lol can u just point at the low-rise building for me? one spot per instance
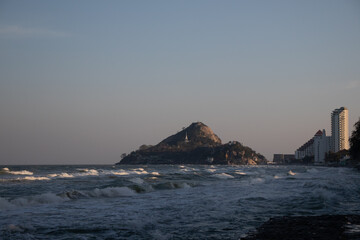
(283, 158)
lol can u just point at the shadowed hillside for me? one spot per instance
(196, 144)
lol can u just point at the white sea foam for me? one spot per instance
(211, 170)
(65, 175)
(240, 173)
(187, 169)
(137, 180)
(223, 176)
(30, 178)
(88, 172)
(120, 172)
(141, 172)
(61, 175)
(22, 172)
(257, 180)
(138, 171)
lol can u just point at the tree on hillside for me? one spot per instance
(355, 142)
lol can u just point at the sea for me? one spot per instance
(166, 201)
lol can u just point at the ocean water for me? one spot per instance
(165, 202)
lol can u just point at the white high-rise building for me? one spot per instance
(321, 146)
(340, 129)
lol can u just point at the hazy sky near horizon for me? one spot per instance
(82, 82)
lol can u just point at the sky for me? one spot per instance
(82, 82)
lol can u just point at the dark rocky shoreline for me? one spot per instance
(326, 227)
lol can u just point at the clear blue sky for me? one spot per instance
(85, 81)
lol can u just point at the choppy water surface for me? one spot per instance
(165, 202)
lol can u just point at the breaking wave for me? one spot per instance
(45, 198)
(30, 178)
(88, 172)
(121, 173)
(51, 198)
(80, 172)
(22, 179)
(291, 173)
(240, 173)
(171, 185)
(22, 172)
(109, 192)
(223, 176)
(137, 180)
(61, 175)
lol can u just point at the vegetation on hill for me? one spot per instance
(196, 144)
(355, 142)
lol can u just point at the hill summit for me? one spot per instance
(196, 144)
(197, 134)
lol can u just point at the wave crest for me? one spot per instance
(223, 176)
(52, 198)
(22, 172)
(61, 175)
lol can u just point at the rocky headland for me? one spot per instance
(325, 227)
(196, 144)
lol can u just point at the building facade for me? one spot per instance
(318, 146)
(321, 146)
(283, 158)
(306, 150)
(340, 129)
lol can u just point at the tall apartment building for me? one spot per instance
(320, 144)
(340, 129)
